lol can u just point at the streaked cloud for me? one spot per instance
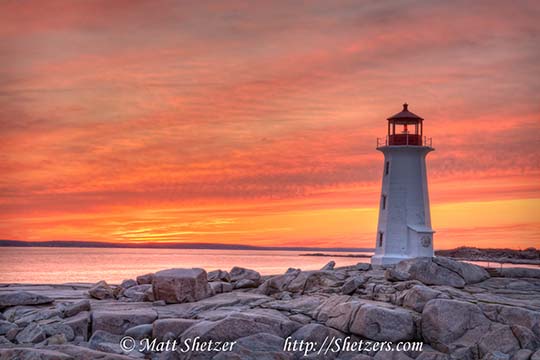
(109, 111)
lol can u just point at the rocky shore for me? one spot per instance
(458, 310)
(529, 256)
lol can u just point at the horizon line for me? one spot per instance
(168, 245)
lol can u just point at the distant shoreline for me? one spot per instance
(529, 256)
(334, 255)
(201, 246)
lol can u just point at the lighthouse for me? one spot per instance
(404, 227)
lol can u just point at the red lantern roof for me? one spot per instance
(405, 115)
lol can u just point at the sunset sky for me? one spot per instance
(255, 123)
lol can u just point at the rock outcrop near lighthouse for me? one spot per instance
(458, 310)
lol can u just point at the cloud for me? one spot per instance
(157, 104)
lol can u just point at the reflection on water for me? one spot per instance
(60, 265)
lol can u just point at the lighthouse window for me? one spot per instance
(387, 168)
(383, 202)
(380, 238)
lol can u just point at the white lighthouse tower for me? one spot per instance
(404, 229)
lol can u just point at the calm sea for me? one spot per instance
(61, 265)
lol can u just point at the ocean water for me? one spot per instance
(55, 265)
(50, 265)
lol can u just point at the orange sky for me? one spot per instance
(256, 122)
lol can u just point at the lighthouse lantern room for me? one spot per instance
(404, 227)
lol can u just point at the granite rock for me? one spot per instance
(180, 285)
(16, 298)
(118, 321)
(101, 291)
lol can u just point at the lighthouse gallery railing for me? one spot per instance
(404, 140)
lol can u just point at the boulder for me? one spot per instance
(383, 324)
(512, 315)
(118, 321)
(58, 328)
(126, 284)
(329, 266)
(104, 341)
(180, 285)
(416, 297)
(236, 300)
(16, 298)
(38, 314)
(72, 309)
(145, 279)
(315, 333)
(340, 317)
(523, 354)
(496, 355)
(117, 291)
(428, 272)
(432, 355)
(219, 287)
(445, 321)
(138, 293)
(381, 292)
(33, 333)
(337, 312)
(12, 333)
(499, 339)
(239, 273)
(470, 273)
(57, 339)
(526, 338)
(300, 318)
(165, 329)
(392, 355)
(84, 353)
(149, 294)
(219, 275)
(393, 274)
(245, 284)
(259, 346)
(238, 325)
(279, 283)
(352, 284)
(101, 290)
(315, 281)
(353, 356)
(31, 354)
(79, 324)
(286, 295)
(140, 331)
(5, 326)
(302, 304)
(363, 266)
(439, 271)
(16, 313)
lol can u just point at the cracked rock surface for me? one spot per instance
(458, 310)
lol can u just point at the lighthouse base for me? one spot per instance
(382, 260)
